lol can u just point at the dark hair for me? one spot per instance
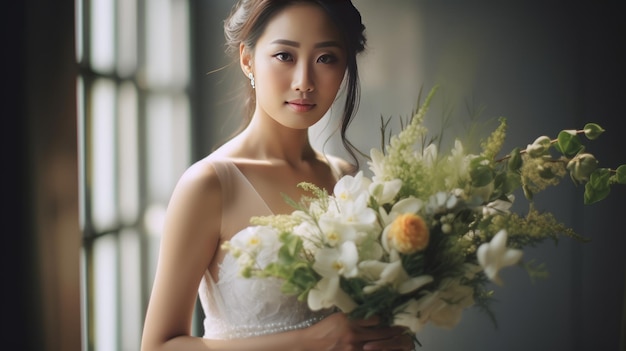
(249, 18)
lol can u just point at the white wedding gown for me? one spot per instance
(237, 307)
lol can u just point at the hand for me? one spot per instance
(337, 332)
(401, 340)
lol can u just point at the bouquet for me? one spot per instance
(424, 238)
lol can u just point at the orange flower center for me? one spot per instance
(408, 233)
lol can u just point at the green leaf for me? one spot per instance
(304, 278)
(598, 187)
(515, 162)
(620, 174)
(568, 143)
(481, 172)
(593, 131)
(512, 183)
(292, 246)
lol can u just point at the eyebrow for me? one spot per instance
(323, 44)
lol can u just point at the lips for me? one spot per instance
(301, 105)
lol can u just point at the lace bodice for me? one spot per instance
(237, 307)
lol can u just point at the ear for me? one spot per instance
(245, 59)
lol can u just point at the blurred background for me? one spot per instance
(106, 102)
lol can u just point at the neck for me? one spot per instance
(270, 141)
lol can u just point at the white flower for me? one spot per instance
(376, 163)
(254, 245)
(498, 206)
(342, 260)
(349, 188)
(443, 307)
(354, 213)
(391, 274)
(408, 316)
(385, 191)
(457, 166)
(453, 298)
(327, 293)
(312, 239)
(430, 155)
(406, 205)
(336, 232)
(495, 255)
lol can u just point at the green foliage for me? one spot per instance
(598, 186)
(592, 131)
(568, 143)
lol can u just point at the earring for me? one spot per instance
(251, 77)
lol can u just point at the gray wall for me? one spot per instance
(543, 66)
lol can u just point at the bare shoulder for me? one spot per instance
(195, 205)
(200, 179)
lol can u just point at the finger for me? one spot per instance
(373, 321)
(397, 343)
(377, 332)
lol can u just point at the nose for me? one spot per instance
(303, 78)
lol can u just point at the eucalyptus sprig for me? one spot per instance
(583, 167)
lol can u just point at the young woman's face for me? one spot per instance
(299, 63)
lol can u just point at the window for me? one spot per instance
(134, 131)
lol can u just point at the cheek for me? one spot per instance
(333, 81)
(270, 76)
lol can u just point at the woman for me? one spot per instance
(296, 54)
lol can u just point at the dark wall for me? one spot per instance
(41, 237)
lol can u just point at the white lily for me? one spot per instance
(494, 256)
(498, 206)
(376, 163)
(335, 231)
(415, 314)
(391, 274)
(453, 298)
(355, 213)
(342, 260)
(406, 205)
(348, 188)
(429, 155)
(327, 293)
(385, 191)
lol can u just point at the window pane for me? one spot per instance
(127, 37)
(130, 284)
(102, 158)
(128, 154)
(82, 156)
(105, 288)
(180, 42)
(168, 145)
(78, 18)
(167, 43)
(102, 35)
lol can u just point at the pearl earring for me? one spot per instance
(251, 77)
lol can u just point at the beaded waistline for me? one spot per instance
(216, 329)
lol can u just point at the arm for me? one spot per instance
(190, 239)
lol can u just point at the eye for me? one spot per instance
(284, 56)
(327, 58)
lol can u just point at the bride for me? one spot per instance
(296, 55)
